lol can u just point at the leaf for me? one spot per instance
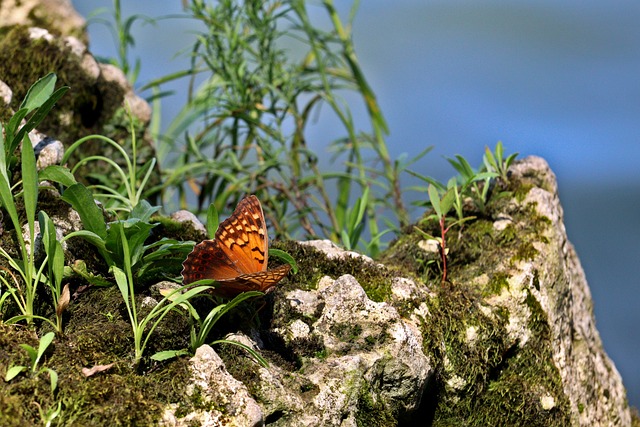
(92, 238)
(8, 203)
(39, 92)
(212, 221)
(446, 203)
(285, 257)
(136, 233)
(249, 350)
(121, 281)
(80, 267)
(45, 341)
(434, 198)
(53, 379)
(143, 211)
(58, 174)
(81, 199)
(29, 183)
(63, 301)
(38, 116)
(88, 372)
(33, 353)
(13, 371)
(169, 354)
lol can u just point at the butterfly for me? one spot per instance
(237, 257)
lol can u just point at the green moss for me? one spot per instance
(502, 383)
(313, 265)
(372, 411)
(526, 252)
(521, 192)
(497, 282)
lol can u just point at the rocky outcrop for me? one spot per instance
(511, 340)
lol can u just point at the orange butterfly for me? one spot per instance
(237, 257)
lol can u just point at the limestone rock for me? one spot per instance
(228, 398)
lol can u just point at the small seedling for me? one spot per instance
(35, 355)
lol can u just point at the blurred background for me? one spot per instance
(559, 80)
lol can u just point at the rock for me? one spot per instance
(58, 15)
(331, 250)
(365, 360)
(229, 399)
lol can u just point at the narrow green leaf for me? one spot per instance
(169, 354)
(29, 182)
(32, 352)
(45, 341)
(6, 197)
(12, 129)
(212, 221)
(285, 257)
(434, 198)
(346, 242)
(249, 350)
(123, 284)
(446, 203)
(53, 379)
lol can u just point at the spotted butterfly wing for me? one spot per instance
(237, 257)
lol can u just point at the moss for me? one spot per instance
(120, 395)
(497, 282)
(526, 252)
(499, 383)
(372, 411)
(521, 192)
(313, 265)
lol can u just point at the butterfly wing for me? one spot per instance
(208, 261)
(243, 237)
(261, 281)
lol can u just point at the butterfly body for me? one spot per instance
(237, 257)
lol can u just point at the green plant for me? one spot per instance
(35, 355)
(469, 182)
(121, 30)
(148, 261)
(200, 328)
(125, 282)
(442, 202)
(126, 195)
(55, 262)
(39, 100)
(494, 161)
(452, 196)
(245, 127)
(46, 415)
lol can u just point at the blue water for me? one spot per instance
(556, 79)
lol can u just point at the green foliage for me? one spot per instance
(201, 328)
(121, 29)
(144, 327)
(494, 161)
(35, 355)
(55, 264)
(129, 192)
(469, 184)
(39, 100)
(146, 260)
(255, 103)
